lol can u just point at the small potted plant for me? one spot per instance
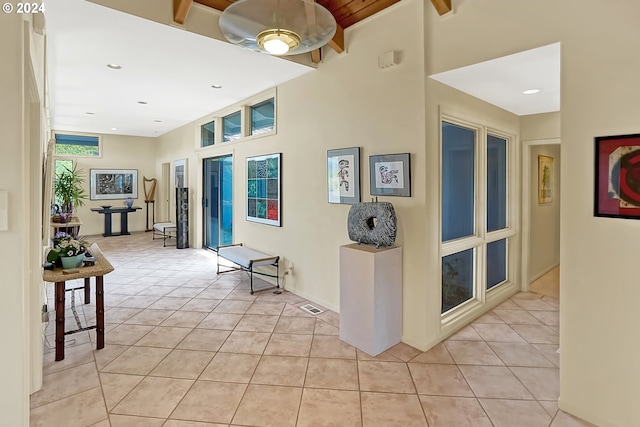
(69, 192)
(67, 252)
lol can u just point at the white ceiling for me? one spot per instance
(173, 70)
(169, 68)
(501, 81)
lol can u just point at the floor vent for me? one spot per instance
(311, 309)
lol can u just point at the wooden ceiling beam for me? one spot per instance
(216, 4)
(442, 6)
(180, 10)
(337, 42)
(316, 56)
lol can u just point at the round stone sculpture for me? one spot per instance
(373, 223)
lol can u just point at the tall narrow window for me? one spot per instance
(77, 145)
(262, 117)
(476, 227)
(208, 134)
(232, 127)
(458, 181)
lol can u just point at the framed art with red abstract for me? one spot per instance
(617, 176)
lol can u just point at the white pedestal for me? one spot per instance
(370, 297)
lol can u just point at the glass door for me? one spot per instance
(218, 201)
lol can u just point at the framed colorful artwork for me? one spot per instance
(263, 189)
(617, 176)
(545, 179)
(390, 175)
(343, 175)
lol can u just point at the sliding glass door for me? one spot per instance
(218, 201)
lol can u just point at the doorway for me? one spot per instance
(540, 213)
(217, 201)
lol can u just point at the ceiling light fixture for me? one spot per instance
(114, 66)
(114, 128)
(278, 27)
(216, 86)
(531, 91)
(89, 113)
(143, 102)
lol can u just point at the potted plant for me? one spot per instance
(67, 252)
(69, 191)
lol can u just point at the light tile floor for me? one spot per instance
(188, 348)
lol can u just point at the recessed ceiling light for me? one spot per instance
(531, 91)
(114, 66)
(143, 102)
(114, 128)
(158, 121)
(216, 86)
(90, 113)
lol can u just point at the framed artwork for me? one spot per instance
(617, 176)
(180, 173)
(263, 189)
(390, 175)
(545, 179)
(112, 184)
(343, 175)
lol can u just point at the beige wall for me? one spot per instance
(347, 102)
(21, 131)
(118, 152)
(598, 373)
(540, 126)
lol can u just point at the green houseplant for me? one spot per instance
(69, 191)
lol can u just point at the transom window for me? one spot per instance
(77, 145)
(232, 127)
(262, 117)
(208, 134)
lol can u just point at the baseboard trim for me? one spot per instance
(539, 275)
(585, 415)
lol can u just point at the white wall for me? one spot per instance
(118, 152)
(599, 372)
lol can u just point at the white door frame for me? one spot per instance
(526, 205)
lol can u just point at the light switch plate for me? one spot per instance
(4, 210)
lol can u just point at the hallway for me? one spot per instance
(188, 348)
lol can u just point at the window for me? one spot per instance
(207, 134)
(262, 117)
(232, 127)
(476, 228)
(77, 145)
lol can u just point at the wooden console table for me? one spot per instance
(124, 219)
(102, 266)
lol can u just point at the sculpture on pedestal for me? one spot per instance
(373, 223)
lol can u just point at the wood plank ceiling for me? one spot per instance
(346, 12)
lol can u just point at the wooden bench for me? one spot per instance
(164, 230)
(247, 259)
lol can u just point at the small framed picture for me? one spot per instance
(390, 175)
(180, 173)
(343, 175)
(545, 179)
